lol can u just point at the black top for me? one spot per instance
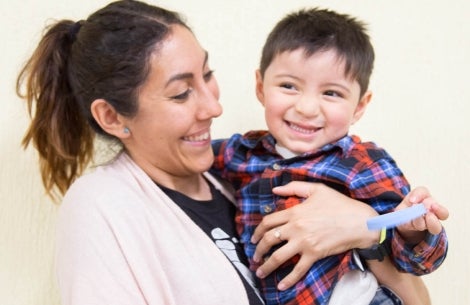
(216, 217)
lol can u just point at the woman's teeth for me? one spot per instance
(198, 138)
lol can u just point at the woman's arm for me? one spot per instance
(326, 223)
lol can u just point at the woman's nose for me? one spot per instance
(209, 106)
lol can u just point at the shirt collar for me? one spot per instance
(263, 139)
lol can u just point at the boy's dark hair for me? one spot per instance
(317, 30)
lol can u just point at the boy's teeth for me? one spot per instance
(300, 129)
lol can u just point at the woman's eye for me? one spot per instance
(183, 96)
(208, 76)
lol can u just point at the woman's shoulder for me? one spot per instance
(102, 190)
(96, 181)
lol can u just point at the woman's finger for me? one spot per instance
(270, 239)
(300, 189)
(270, 222)
(300, 269)
(277, 258)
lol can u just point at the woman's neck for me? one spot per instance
(195, 187)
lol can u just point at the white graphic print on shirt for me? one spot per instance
(227, 246)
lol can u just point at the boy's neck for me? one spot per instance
(284, 152)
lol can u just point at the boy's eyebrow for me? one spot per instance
(345, 87)
(182, 76)
(286, 75)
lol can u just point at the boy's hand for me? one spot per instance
(414, 231)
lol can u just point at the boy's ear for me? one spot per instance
(108, 118)
(259, 87)
(361, 106)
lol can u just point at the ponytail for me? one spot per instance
(104, 57)
(58, 130)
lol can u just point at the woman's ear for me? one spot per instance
(259, 87)
(361, 106)
(108, 119)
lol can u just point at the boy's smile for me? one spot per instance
(309, 101)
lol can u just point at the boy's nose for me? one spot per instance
(308, 105)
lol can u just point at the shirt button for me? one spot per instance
(268, 209)
(418, 253)
(276, 166)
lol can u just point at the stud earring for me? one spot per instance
(126, 130)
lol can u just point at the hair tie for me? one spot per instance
(73, 31)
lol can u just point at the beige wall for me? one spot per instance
(420, 112)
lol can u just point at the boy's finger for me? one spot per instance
(417, 195)
(434, 225)
(419, 224)
(440, 211)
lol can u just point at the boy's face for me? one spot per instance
(309, 101)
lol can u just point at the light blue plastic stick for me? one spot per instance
(393, 219)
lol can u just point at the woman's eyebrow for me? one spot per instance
(182, 76)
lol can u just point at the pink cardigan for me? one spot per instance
(121, 240)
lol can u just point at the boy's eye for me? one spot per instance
(333, 93)
(287, 86)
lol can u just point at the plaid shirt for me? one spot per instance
(360, 170)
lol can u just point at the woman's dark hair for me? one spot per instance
(104, 57)
(317, 30)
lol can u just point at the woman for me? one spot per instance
(135, 230)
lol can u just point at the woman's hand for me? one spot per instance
(326, 223)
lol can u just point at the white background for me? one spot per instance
(419, 112)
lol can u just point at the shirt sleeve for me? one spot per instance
(382, 185)
(229, 161)
(422, 258)
(219, 146)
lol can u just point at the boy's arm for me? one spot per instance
(423, 241)
(421, 258)
(385, 192)
(218, 147)
(227, 158)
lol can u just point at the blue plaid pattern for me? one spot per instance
(362, 171)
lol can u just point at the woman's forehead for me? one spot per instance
(178, 58)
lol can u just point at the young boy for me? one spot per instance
(313, 82)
